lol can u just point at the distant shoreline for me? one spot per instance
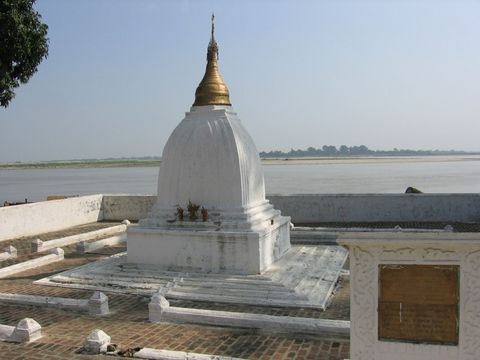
(122, 163)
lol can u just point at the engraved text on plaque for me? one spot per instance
(418, 303)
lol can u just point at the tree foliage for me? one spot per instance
(23, 45)
(343, 150)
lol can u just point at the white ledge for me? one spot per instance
(85, 247)
(160, 310)
(153, 354)
(57, 255)
(96, 305)
(39, 246)
(9, 253)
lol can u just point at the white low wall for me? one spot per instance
(39, 246)
(131, 207)
(159, 309)
(335, 207)
(96, 305)
(56, 255)
(45, 216)
(379, 207)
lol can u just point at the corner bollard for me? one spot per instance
(26, 330)
(98, 304)
(58, 251)
(97, 342)
(157, 306)
(82, 247)
(12, 251)
(36, 245)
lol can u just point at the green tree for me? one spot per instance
(23, 45)
(343, 150)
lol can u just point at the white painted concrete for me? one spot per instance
(239, 252)
(9, 253)
(96, 342)
(44, 301)
(303, 278)
(27, 330)
(41, 217)
(96, 305)
(85, 247)
(160, 310)
(154, 354)
(39, 246)
(46, 216)
(313, 208)
(57, 255)
(116, 207)
(368, 250)
(6, 332)
(211, 161)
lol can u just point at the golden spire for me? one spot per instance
(212, 90)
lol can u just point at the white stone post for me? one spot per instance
(96, 342)
(157, 306)
(12, 251)
(26, 330)
(36, 245)
(98, 304)
(58, 251)
(82, 247)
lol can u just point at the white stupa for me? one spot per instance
(211, 214)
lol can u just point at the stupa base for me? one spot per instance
(207, 250)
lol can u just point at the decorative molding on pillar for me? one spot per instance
(364, 300)
(471, 307)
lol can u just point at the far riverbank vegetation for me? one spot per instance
(362, 150)
(326, 151)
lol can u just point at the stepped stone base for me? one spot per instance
(208, 250)
(304, 277)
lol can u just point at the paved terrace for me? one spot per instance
(127, 324)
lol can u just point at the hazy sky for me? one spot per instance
(121, 74)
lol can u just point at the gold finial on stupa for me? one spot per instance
(212, 90)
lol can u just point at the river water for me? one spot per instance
(455, 174)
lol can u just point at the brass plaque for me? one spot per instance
(418, 303)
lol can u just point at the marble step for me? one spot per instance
(252, 292)
(173, 294)
(111, 283)
(304, 277)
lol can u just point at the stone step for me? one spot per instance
(304, 277)
(111, 282)
(173, 294)
(206, 283)
(252, 292)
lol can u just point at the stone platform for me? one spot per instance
(304, 278)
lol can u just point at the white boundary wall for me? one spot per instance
(131, 207)
(379, 207)
(46, 216)
(334, 207)
(41, 217)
